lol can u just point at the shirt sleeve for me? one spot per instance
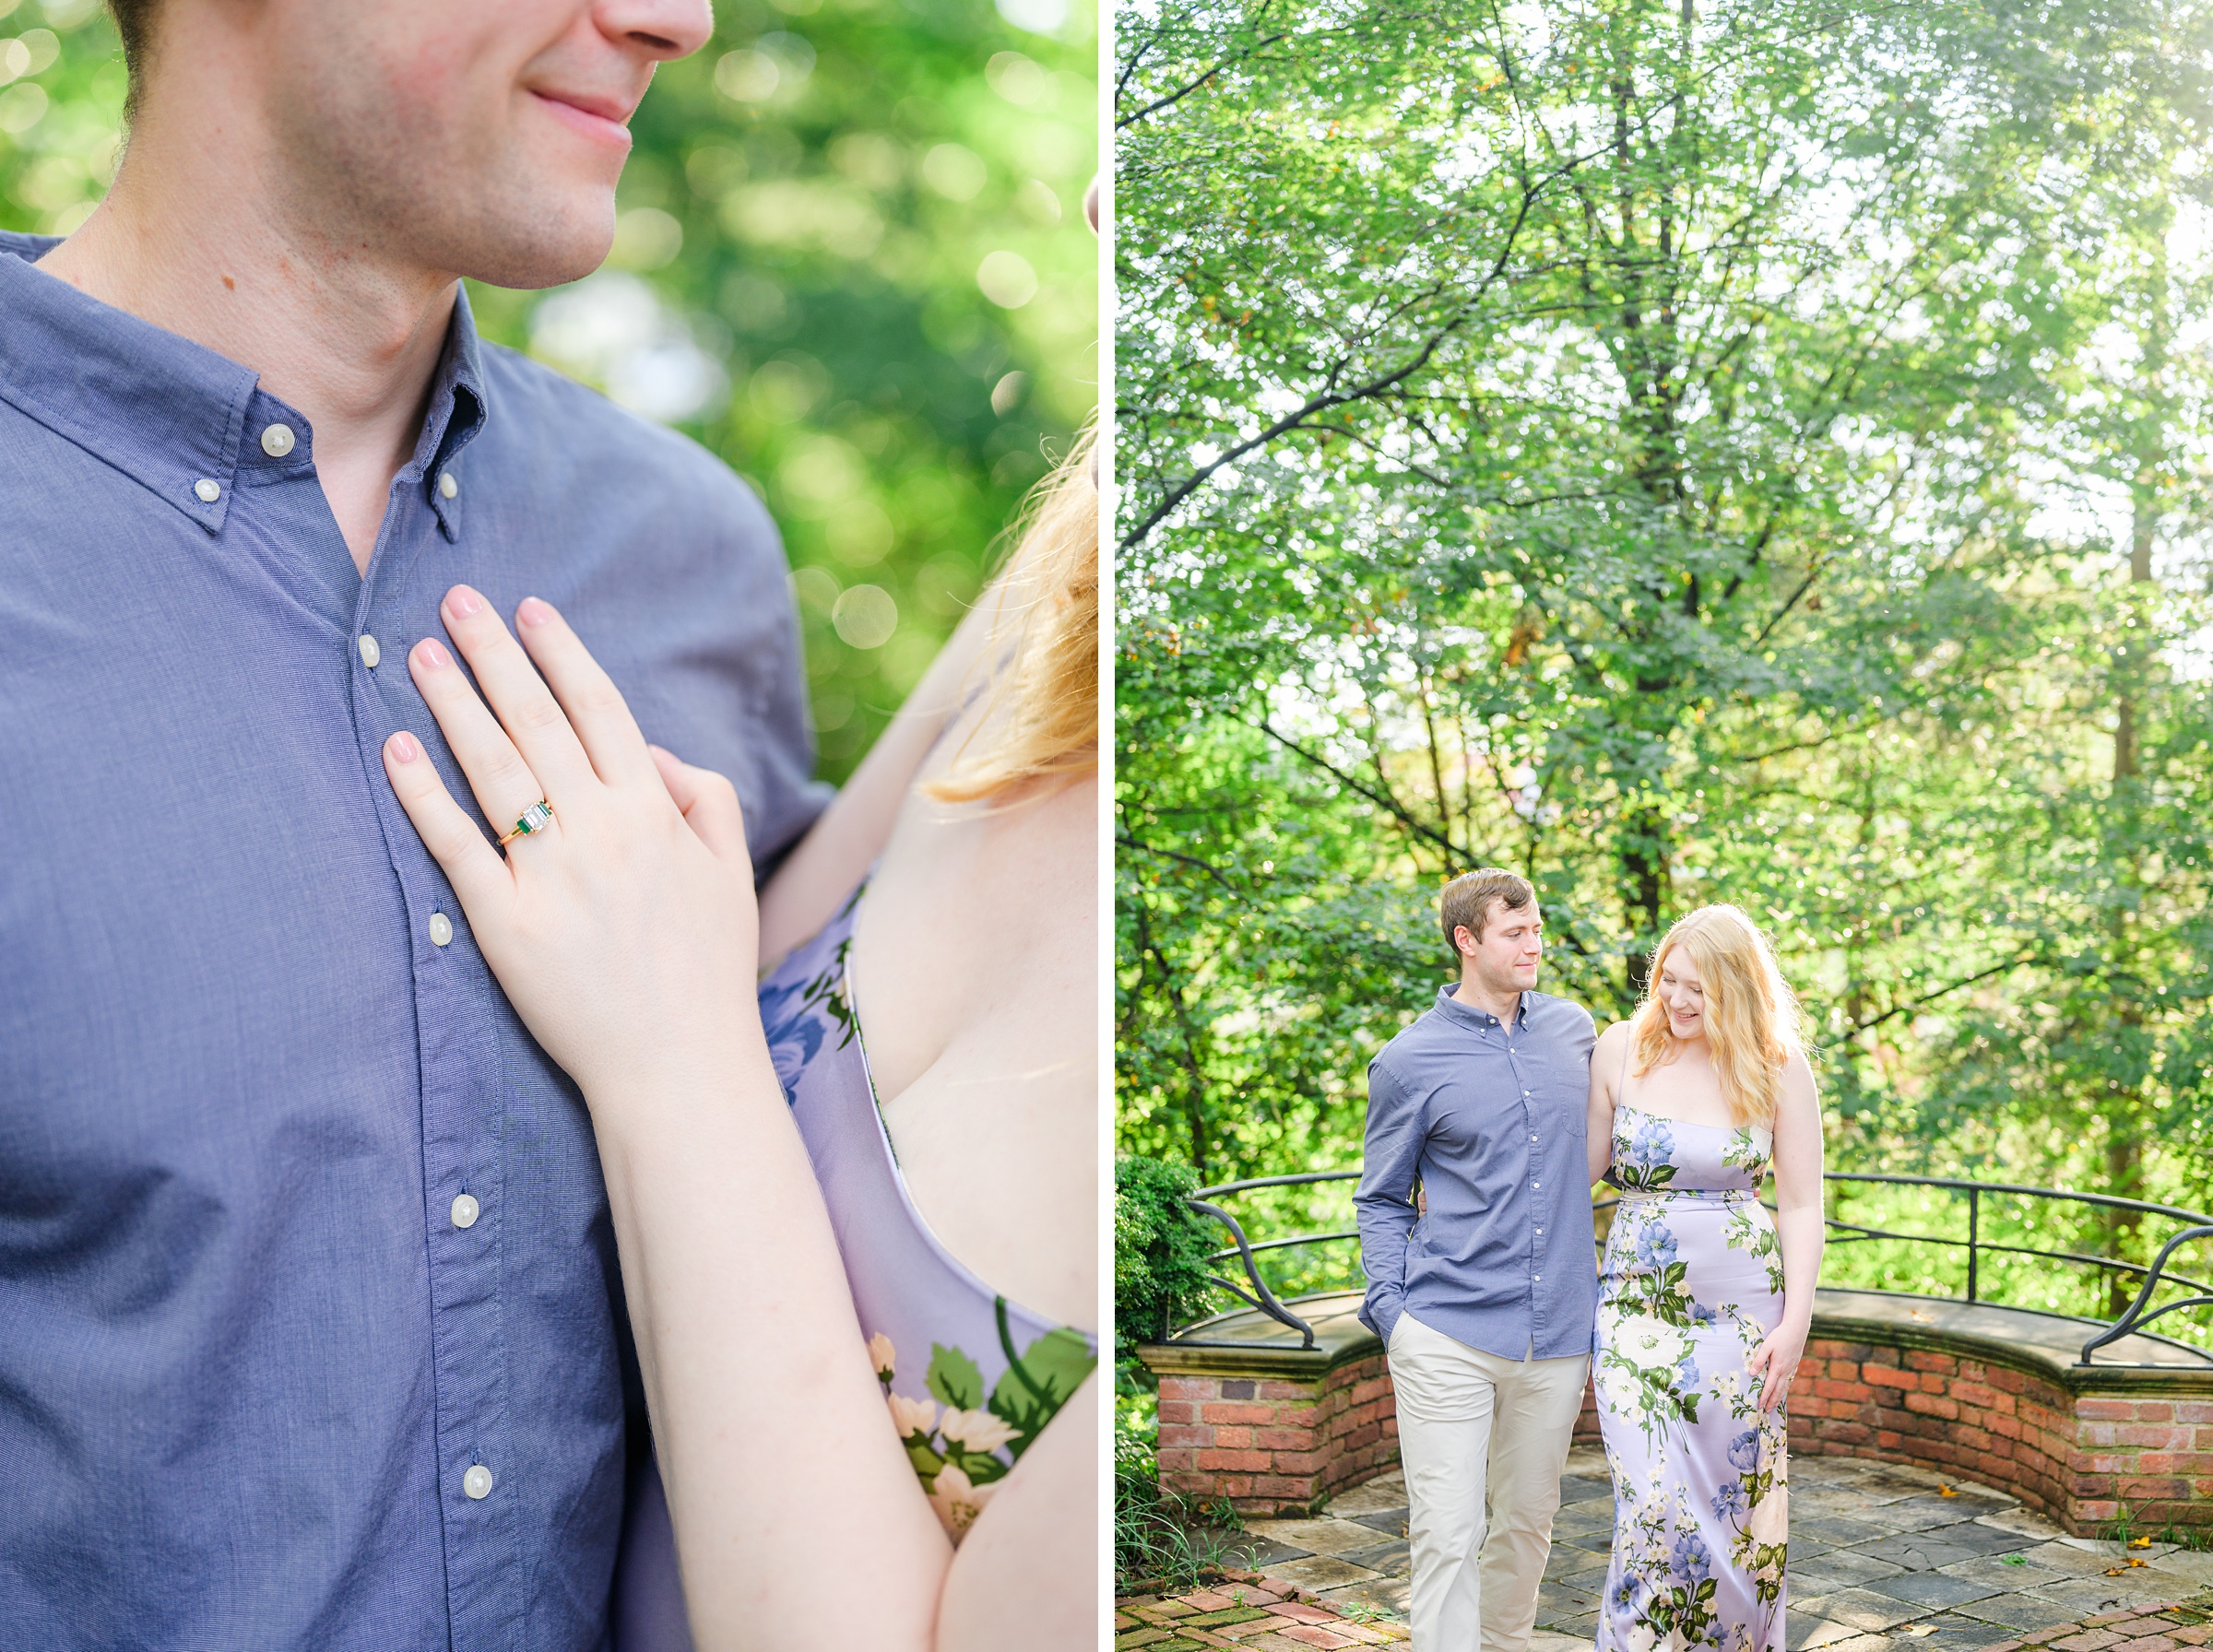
(1384, 1203)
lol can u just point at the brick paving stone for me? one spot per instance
(2088, 1640)
(1206, 1601)
(1314, 1635)
(1302, 1613)
(1220, 1617)
(1130, 1638)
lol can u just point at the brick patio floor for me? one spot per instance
(1255, 1613)
(1882, 1557)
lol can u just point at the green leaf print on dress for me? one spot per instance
(956, 1452)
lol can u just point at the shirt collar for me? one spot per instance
(171, 414)
(457, 410)
(1467, 1015)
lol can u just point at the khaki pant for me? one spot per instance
(1472, 1423)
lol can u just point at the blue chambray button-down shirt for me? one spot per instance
(247, 1356)
(1490, 1119)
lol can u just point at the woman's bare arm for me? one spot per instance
(1798, 1227)
(1598, 1128)
(837, 851)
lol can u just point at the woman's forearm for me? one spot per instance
(780, 1461)
(1798, 1229)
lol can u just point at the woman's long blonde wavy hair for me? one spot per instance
(1753, 1024)
(1045, 645)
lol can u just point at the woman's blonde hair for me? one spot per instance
(1752, 1023)
(1044, 647)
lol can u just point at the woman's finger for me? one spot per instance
(709, 803)
(472, 865)
(596, 707)
(504, 784)
(518, 696)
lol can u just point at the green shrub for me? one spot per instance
(1160, 1251)
(1160, 1537)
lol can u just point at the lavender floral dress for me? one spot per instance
(1690, 1283)
(970, 1379)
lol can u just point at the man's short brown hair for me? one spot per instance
(1465, 901)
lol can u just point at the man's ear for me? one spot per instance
(1463, 943)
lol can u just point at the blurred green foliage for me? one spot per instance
(851, 260)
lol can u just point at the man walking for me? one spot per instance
(310, 1321)
(1485, 1302)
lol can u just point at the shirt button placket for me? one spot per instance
(461, 1131)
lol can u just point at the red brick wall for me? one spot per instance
(1277, 1447)
(2076, 1457)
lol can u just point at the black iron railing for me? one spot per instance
(2133, 1318)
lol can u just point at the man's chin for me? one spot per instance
(566, 242)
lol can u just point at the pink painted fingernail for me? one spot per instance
(433, 653)
(405, 748)
(533, 612)
(463, 602)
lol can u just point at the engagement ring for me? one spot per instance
(537, 818)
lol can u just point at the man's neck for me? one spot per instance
(1473, 993)
(194, 239)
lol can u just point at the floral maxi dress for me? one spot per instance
(1690, 1283)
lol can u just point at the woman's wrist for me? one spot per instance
(679, 1075)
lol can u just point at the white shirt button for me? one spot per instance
(477, 1482)
(371, 652)
(447, 485)
(276, 441)
(441, 931)
(465, 1209)
(208, 491)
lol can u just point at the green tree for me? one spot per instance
(1682, 453)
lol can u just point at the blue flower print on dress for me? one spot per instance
(795, 1035)
(1744, 1451)
(1729, 1501)
(1643, 1153)
(1693, 1561)
(1655, 1246)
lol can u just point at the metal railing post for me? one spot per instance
(2135, 1317)
(1974, 1226)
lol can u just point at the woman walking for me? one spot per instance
(1704, 1302)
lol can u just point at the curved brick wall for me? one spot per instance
(1269, 1444)
(1989, 1394)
